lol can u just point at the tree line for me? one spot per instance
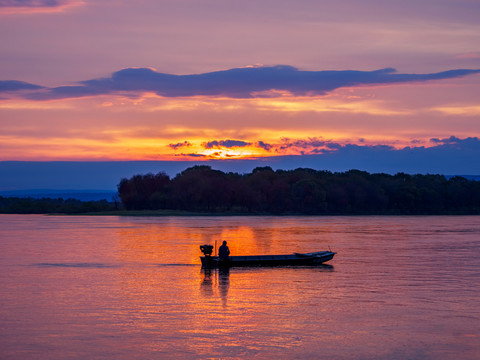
(19, 205)
(300, 191)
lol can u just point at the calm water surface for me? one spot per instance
(132, 288)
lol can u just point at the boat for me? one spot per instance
(295, 259)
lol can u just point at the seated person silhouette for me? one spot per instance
(223, 251)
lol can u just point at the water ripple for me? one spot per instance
(76, 265)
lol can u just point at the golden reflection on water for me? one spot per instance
(242, 306)
(168, 242)
(252, 310)
(86, 287)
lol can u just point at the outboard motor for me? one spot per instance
(206, 249)
(207, 260)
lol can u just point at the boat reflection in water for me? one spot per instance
(216, 279)
(220, 276)
(217, 270)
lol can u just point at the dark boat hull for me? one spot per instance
(308, 259)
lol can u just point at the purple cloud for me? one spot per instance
(236, 83)
(192, 155)
(14, 85)
(180, 145)
(453, 142)
(264, 146)
(225, 143)
(30, 3)
(451, 156)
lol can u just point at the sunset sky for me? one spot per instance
(178, 80)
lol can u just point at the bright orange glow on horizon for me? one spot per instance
(151, 127)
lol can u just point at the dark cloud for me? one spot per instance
(237, 83)
(451, 156)
(453, 142)
(334, 146)
(302, 144)
(264, 146)
(193, 155)
(13, 85)
(180, 145)
(225, 143)
(30, 3)
(448, 156)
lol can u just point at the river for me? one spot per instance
(106, 287)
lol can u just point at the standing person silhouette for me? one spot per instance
(223, 251)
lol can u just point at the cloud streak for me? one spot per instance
(35, 6)
(249, 82)
(29, 3)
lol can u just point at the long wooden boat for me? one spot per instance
(295, 259)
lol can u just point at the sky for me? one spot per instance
(376, 85)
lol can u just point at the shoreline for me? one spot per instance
(162, 213)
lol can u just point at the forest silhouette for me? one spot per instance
(47, 205)
(301, 191)
(202, 190)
